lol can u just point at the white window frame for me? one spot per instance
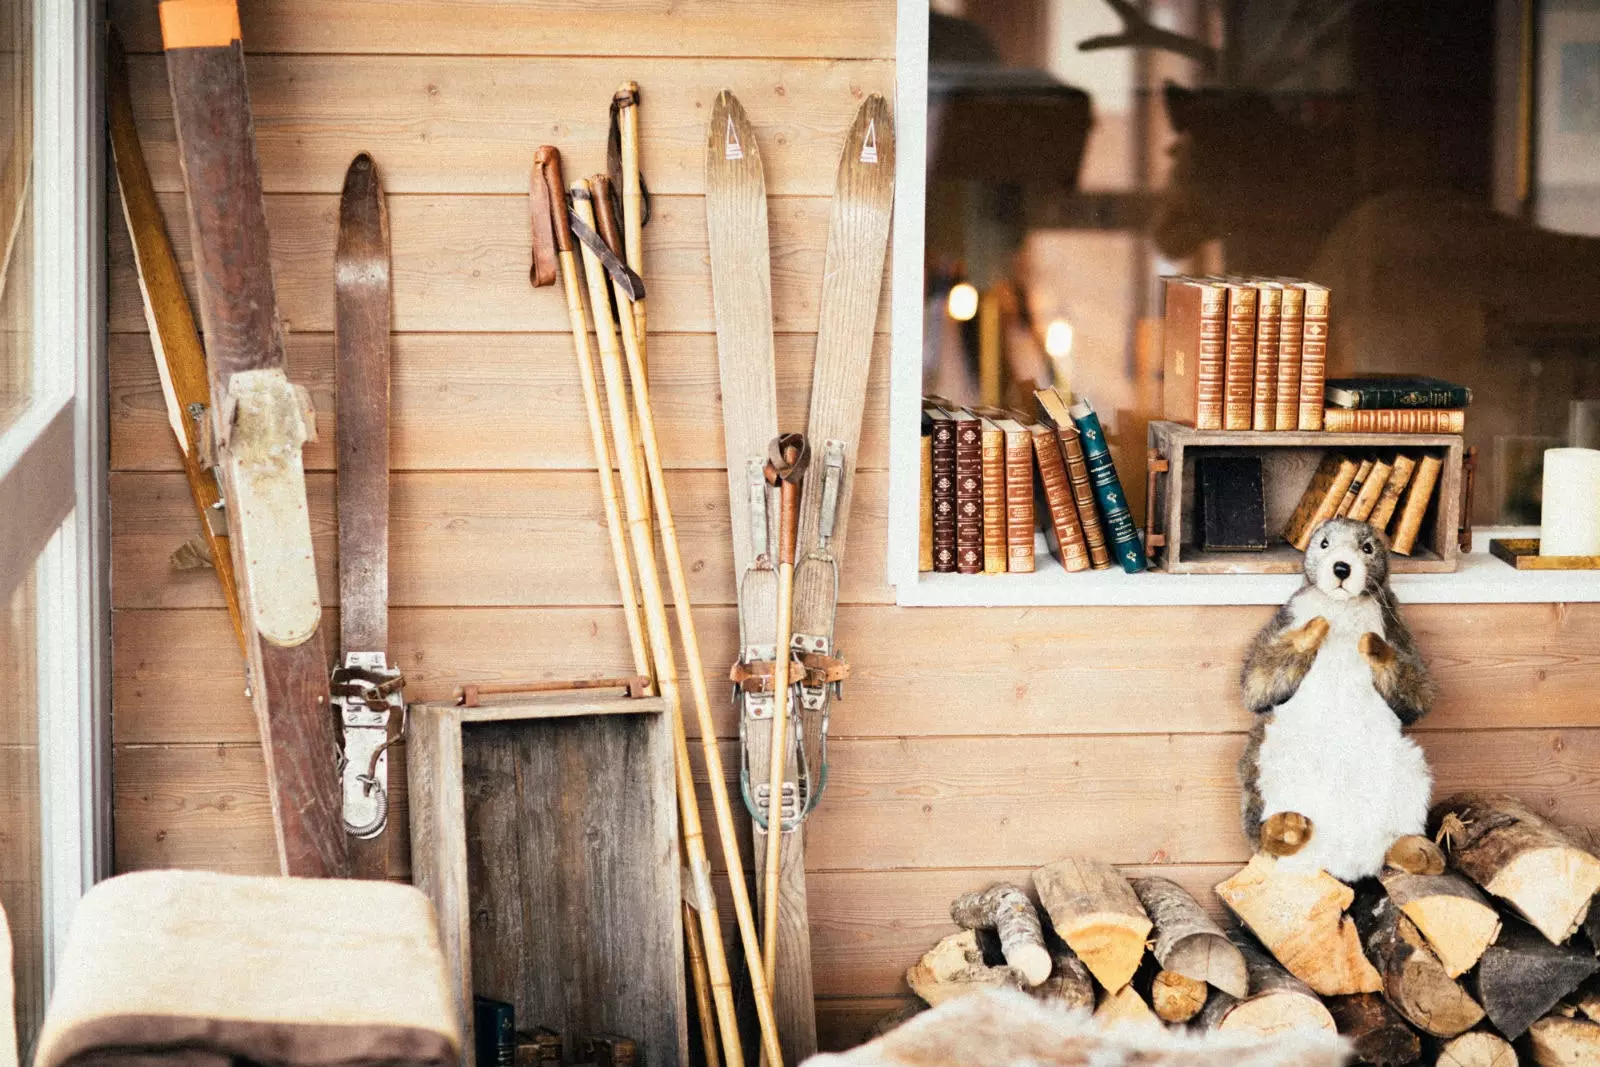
(53, 463)
(1480, 579)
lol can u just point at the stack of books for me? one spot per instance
(1244, 353)
(1394, 403)
(979, 512)
(1390, 491)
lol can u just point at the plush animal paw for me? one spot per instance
(1285, 833)
(1378, 652)
(1308, 638)
(1415, 855)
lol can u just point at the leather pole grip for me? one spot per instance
(547, 164)
(787, 459)
(605, 216)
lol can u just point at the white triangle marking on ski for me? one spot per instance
(731, 148)
(869, 146)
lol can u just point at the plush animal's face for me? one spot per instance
(1346, 558)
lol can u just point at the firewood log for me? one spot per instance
(1124, 1006)
(1414, 980)
(1069, 983)
(1007, 910)
(1515, 855)
(1177, 998)
(1587, 1000)
(1476, 1048)
(1450, 912)
(1300, 918)
(1522, 976)
(955, 967)
(1278, 1001)
(1557, 1041)
(1588, 839)
(1187, 942)
(1376, 1033)
(1097, 913)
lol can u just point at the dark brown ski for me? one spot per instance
(366, 686)
(260, 421)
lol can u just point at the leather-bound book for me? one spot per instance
(1239, 357)
(494, 1027)
(1054, 412)
(1313, 354)
(994, 498)
(1399, 478)
(1409, 524)
(944, 488)
(1269, 319)
(1291, 326)
(1394, 420)
(1322, 498)
(1194, 342)
(925, 508)
(1395, 391)
(1232, 506)
(1126, 547)
(1371, 490)
(1062, 532)
(969, 493)
(1354, 489)
(1019, 497)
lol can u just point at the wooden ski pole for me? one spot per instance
(661, 648)
(786, 465)
(627, 103)
(548, 193)
(702, 982)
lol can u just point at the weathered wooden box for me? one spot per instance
(1288, 461)
(546, 834)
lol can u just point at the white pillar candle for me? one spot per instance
(1571, 515)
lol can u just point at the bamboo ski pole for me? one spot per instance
(549, 196)
(702, 984)
(660, 643)
(627, 101)
(786, 465)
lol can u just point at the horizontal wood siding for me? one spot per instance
(971, 745)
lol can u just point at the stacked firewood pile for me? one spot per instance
(1483, 955)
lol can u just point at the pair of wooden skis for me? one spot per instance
(241, 425)
(788, 636)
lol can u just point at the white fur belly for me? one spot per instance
(1335, 754)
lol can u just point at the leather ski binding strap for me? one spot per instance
(549, 234)
(366, 694)
(619, 271)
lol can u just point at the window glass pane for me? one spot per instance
(20, 825)
(1436, 165)
(16, 215)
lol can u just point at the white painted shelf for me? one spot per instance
(1481, 579)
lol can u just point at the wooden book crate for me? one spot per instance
(546, 833)
(1288, 461)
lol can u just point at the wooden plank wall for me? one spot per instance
(971, 745)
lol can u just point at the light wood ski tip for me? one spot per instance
(730, 139)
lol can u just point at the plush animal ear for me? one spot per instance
(1181, 103)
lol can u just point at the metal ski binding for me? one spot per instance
(366, 694)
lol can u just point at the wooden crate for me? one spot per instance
(1288, 461)
(546, 834)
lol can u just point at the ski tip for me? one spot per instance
(361, 179)
(871, 141)
(363, 216)
(729, 137)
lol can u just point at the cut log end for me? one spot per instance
(1007, 910)
(1477, 1049)
(1276, 1013)
(1177, 998)
(1550, 887)
(1095, 911)
(1187, 941)
(1557, 1041)
(1457, 921)
(955, 967)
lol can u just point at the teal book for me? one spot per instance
(1124, 536)
(1395, 391)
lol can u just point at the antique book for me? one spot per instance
(1354, 489)
(1019, 497)
(1193, 340)
(494, 1028)
(1408, 525)
(1238, 371)
(1371, 490)
(1054, 413)
(1286, 409)
(925, 506)
(944, 488)
(1232, 507)
(1269, 319)
(1313, 353)
(994, 498)
(1062, 531)
(1395, 391)
(969, 492)
(1394, 420)
(1120, 531)
(1399, 478)
(1322, 498)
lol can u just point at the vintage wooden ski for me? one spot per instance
(259, 424)
(852, 278)
(741, 285)
(180, 361)
(366, 686)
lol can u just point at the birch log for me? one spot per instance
(1187, 942)
(1278, 1001)
(1516, 855)
(1176, 998)
(1522, 976)
(1098, 914)
(1007, 911)
(1069, 983)
(1376, 1032)
(955, 967)
(1450, 912)
(1477, 1048)
(1414, 980)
